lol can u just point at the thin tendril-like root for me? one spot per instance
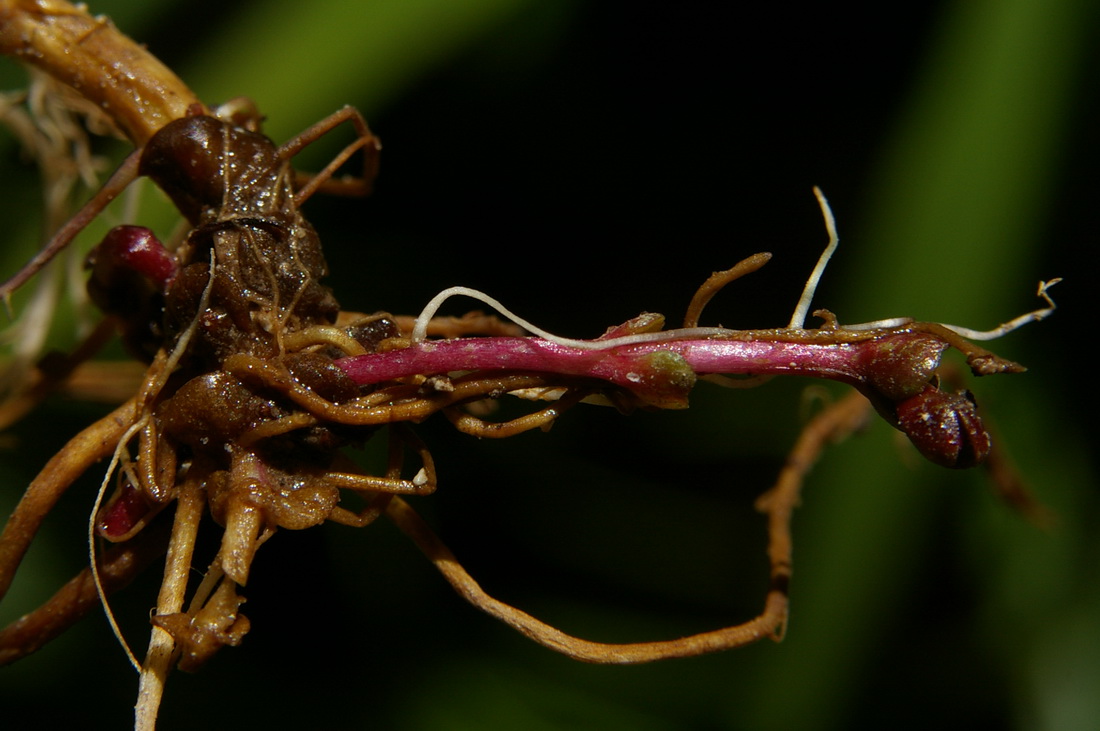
(365, 141)
(834, 423)
(322, 335)
(715, 282)
(703, 295)
(154, 671)
(1016, 323)
(471, 323)
(81, 452)
(541, 419)
(419, 332)
(158, 373)
(420, 328)
(116, 569)
(773, 616)
(798, 319)
(120, 448)
(119, 180)
(965, 332)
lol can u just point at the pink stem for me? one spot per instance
(894, 369)
(894, 365)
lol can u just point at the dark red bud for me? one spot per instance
(944, 427)
(137, 249)
(126, 512)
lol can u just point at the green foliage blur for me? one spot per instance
(583, 162)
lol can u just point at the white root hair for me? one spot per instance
(798, 318)
(420, 330)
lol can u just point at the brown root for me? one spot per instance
(117, 567)
(85, 449)
(834, 423)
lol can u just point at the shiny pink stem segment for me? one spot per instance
(894, 365)
(893, 368)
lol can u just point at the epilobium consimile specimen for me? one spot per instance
(256, 380)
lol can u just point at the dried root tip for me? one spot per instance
(216, 625)
(981, 361)
(715, 282)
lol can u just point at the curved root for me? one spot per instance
(834, 423)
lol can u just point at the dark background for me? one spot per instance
(583, 162)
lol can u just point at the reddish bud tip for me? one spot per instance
(945, 428)
(123, 514)
(136, 248)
